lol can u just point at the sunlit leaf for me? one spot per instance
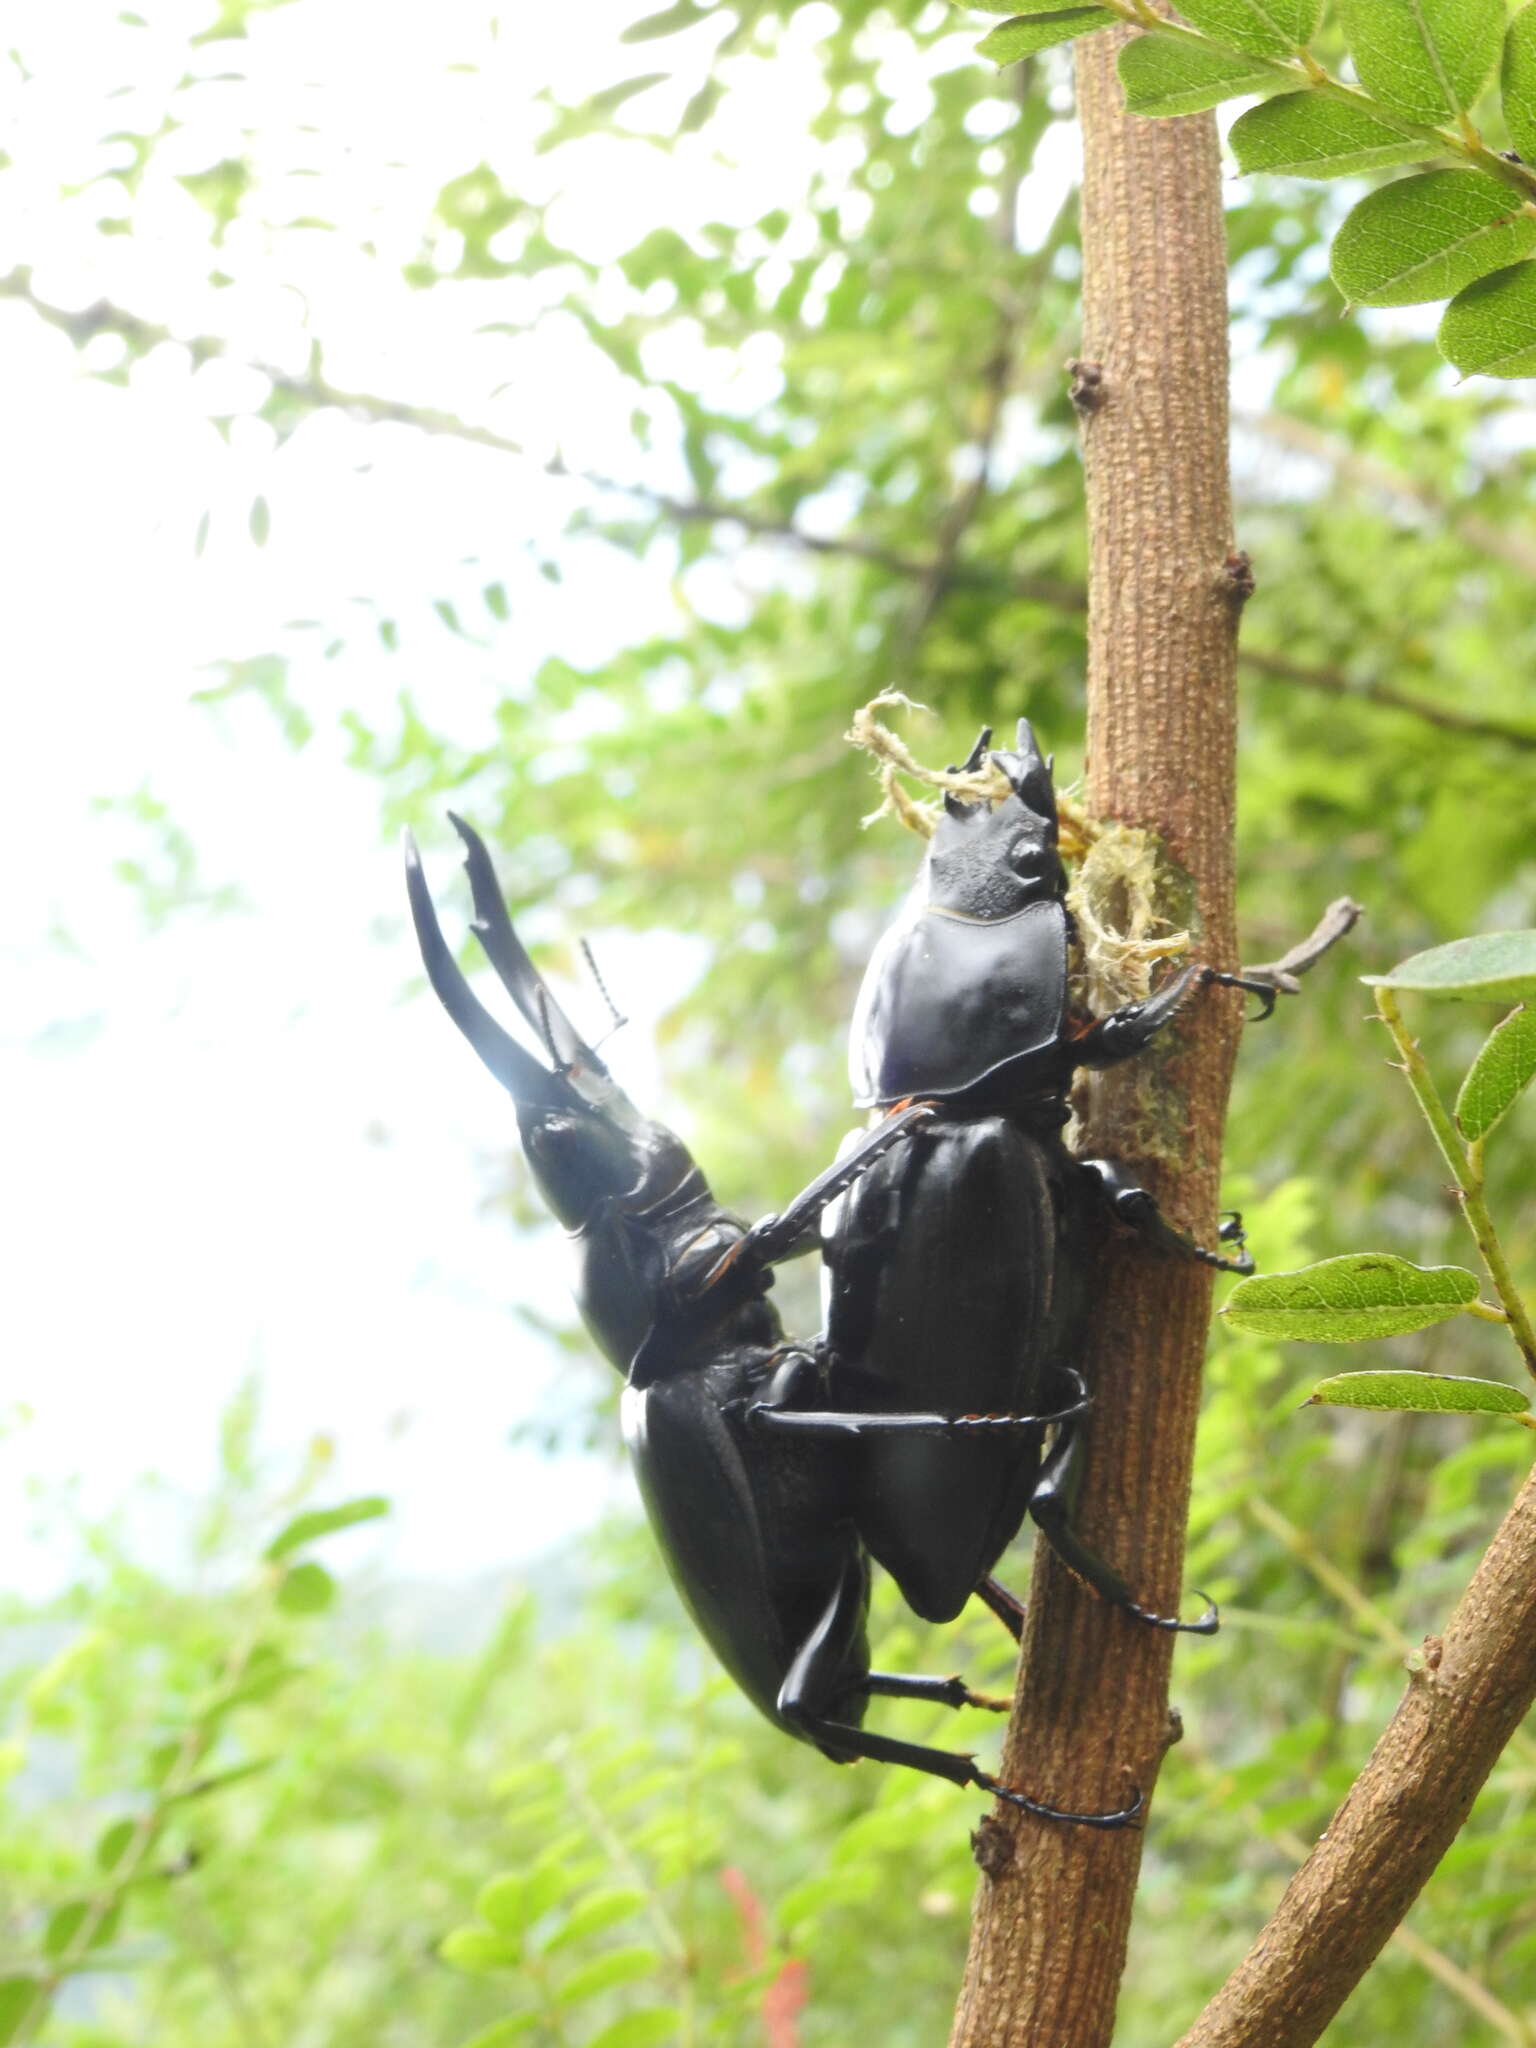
(1340, 1301)
(596, 1912)
(655, 2026)
(479, 1951)
(1426, 58)
(1270, 28)
(317, 1522)
(306, 1589)
(1489, 329)
(1519, 81)
(1498, 1074)
(1181, 75)
(1027, 33)
(1495, 967)
(1306, 136)
(607, 1972)
(18, 1995)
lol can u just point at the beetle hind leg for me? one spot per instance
(817, 1685)
(1050, 1508)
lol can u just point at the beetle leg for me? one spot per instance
(794, 1229)
(1008, 1608)
(772, 1413)
(1050, 1507)
(944, 1692)
(804, 1704)
(1132, 1204)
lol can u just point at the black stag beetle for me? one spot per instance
(757, 1526)
(960, 1262)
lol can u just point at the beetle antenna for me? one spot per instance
(602, 988)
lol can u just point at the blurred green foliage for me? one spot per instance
(849, 461)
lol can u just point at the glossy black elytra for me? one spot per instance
(756, 1523)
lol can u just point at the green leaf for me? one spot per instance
(1165, 74)
(1340, 1301)
(66, 1922)
(17, 1996)
(111, 1843)
(496, 602)
(1027, 33)
(219, 1781)
(1496, 1077)
(1426, 58)
(612, 97)
(1426, 237)
(323, 1521)
(1489, 329)
(1497, 967)
(1520, 82)
(605, 1972)
(479, 1951)
(1420, 1393)
(261, 521)
(512, 2028)
(306, 1589)
(666, 23)
(500, 1903)
(1303, 136)
(652, 2027)
(1271, 28)
(596, 1912)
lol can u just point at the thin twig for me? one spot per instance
(1466, 1164)
(313, 392)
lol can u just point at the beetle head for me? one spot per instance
(988, 860)
(586, 1142)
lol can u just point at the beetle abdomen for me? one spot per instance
(944, 1298)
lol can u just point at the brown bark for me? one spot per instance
(1051, 1922)
(1473, 1687)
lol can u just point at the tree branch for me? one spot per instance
(313, 392)
(1468, 1692)
(1052, 1916)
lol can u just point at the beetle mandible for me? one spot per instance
(756, 1525)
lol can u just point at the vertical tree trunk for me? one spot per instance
(1052, 1917)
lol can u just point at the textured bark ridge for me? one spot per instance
(1052, 1917)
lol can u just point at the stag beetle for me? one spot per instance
(757, 1526)
(962, 1260)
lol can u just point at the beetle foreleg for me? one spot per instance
(794, 1229)
(1136, 1206)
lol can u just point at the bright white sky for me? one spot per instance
(234, 1145)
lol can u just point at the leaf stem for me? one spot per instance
(1466, 1165)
